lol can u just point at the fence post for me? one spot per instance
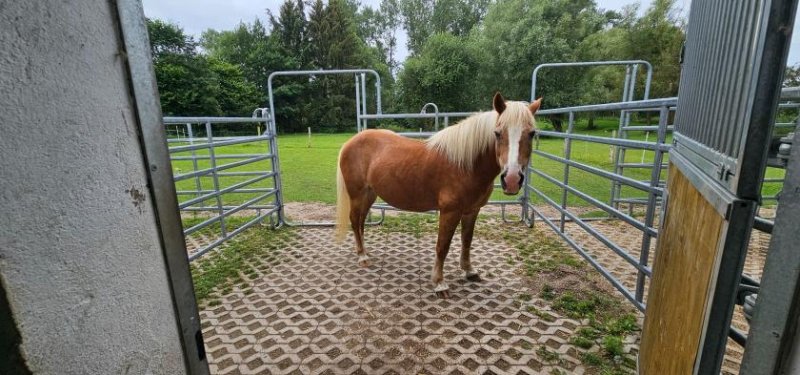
(655, 179)
(197, 184)
(358, 105)
(213, 160)
(568, 156)
(364, 99)
(619, 155)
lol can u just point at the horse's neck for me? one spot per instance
(485, 168)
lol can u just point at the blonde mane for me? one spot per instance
(462, 143)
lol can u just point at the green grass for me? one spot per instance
(548, 356)
(244, 258)
(581, 342)
(567, 289)
(546, 254)
(547, 293)
(541, 314)
(612, 345)
(309, 172)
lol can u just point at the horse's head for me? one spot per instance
(514, 132)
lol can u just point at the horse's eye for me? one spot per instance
(532, 134)
(497, 135)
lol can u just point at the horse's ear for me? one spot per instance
(499, 103)
(535, 105)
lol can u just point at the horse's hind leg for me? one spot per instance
(359, 209)
(467, 230)
(448, 221)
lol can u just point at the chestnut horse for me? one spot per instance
(453, 172)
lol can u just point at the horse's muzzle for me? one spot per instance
(511, 187)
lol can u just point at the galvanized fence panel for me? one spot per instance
(788, 121)
(624, 130)
(361, 122)
(225, 184)
(539, 180)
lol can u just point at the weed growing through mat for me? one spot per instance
(613, 345)
(217, 273)
(573, 290)
(581, 342)
(548, 356)
(541, 314)
(547, 293)
(608, 325)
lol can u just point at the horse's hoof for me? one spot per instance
(363, 261)
(474, 277)
(442, 291)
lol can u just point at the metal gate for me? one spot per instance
(217, 176)
(541, 180)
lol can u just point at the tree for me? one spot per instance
(290, 30)
(184, 79)
(658, 38)
(186, 86)
(193, 84)
(378, 29)
(250, 48)
(390, 21)
(443, 73)
(236, 95)
(791, 77)
(518, 35)
(334, 44)
(423, 18)
(166, 38)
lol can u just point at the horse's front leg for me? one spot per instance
(467, 229)
(448, 221)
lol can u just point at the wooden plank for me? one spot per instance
(686, 260)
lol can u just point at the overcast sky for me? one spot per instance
(195, 16)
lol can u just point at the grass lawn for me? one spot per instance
(309, 169)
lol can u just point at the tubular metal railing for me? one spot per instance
(225, 182)
(652, 187)
(628, 94)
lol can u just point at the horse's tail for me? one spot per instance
(342, 203)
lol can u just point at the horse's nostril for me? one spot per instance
(521, 178)
(503, 176)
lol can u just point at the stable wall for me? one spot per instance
(80, 257)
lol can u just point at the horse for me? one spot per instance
(453, 172)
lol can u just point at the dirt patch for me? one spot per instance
(310, 211)
(569, 279)
(318, 211)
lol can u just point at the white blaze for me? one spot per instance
(514, 136)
